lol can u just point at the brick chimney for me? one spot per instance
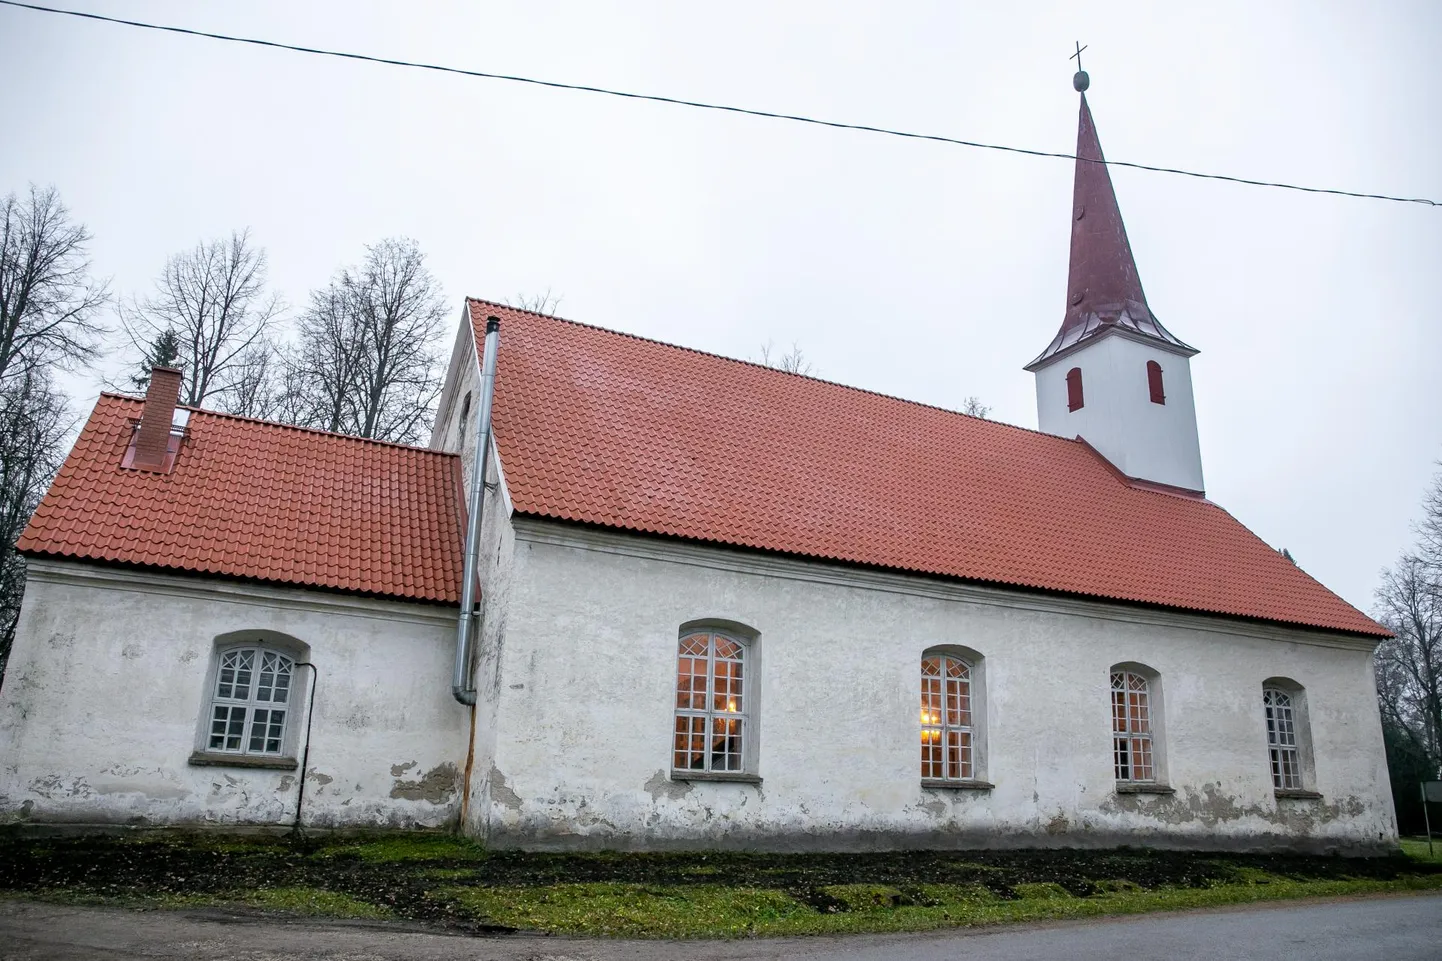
(152, 439)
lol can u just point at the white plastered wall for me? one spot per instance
(455, 434)
(106, 687)
(586, 692)
(1155, 442)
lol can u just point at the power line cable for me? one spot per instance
(656, 98)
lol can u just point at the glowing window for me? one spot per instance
(1132, 727)
(946, 730)
(1074, 389)
(710, 733)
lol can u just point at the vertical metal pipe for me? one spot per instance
(460, 678)
(305, 755)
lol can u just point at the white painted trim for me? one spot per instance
(103, 577)
(504, 488)
(1125, 332)
(561, 534)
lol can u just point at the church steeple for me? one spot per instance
(1126, 385)
(1104, 289)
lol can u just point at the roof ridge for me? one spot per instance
(283, 425)
(774, 370)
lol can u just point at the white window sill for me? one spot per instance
(1144, 787)
(740, 777)
(945, 785)
(264, 761)
(1297, 794)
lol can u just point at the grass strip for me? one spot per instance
(708, 911)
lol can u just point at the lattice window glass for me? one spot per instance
(946, 731)
(711, 705)
(250, 703)
(1132, 727)
(1282, 739)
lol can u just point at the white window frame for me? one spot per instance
(1134, 726)
(220, 735)
(711, 714)
(948, 714)
(1284, 751)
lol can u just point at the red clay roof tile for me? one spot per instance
(606, 428)
(261, 501)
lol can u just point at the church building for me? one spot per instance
(696, 603)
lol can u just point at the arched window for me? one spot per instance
(711, 703)
(1132, 750)
(948, 744)
(1074, 389)
(249, 703)
(465, 409)
(1154, 382)
(1289, 753)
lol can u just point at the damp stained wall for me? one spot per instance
(582, 756)
(106, 688)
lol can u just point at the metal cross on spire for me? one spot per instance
(1081, 81)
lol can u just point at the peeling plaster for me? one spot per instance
(502, 794)
(1211, 806)
(659, 784)
(399, 769)
(438, 785)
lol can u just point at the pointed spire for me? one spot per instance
(1104, 289)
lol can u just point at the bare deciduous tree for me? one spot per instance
(213, 299)
(1409, 666)
(33, 425)
(792, 361)
(48, 300)
(973, 406)
(368, 362)
(547, 303)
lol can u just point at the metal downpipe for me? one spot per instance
(461, 687)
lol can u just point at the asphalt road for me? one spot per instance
(1391, 928)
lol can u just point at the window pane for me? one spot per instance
(958, 755)
(234, 728)
(726, 743)
(1141, 759)
(225, 682)
(258, 724)
(690, 744)
(220, 724)
(725, 647)
(244, 667)
(282, 681)
(931, 753)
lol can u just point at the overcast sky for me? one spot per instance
(928, 271)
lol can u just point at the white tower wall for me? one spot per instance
(1154, 442)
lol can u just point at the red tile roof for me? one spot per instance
(606, 428)
(260, 501)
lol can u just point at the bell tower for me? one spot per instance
(1113, 375)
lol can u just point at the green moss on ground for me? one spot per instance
(418, 847)
(456, 884)
(1416, 848)
(312, 902)
(707, 911)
